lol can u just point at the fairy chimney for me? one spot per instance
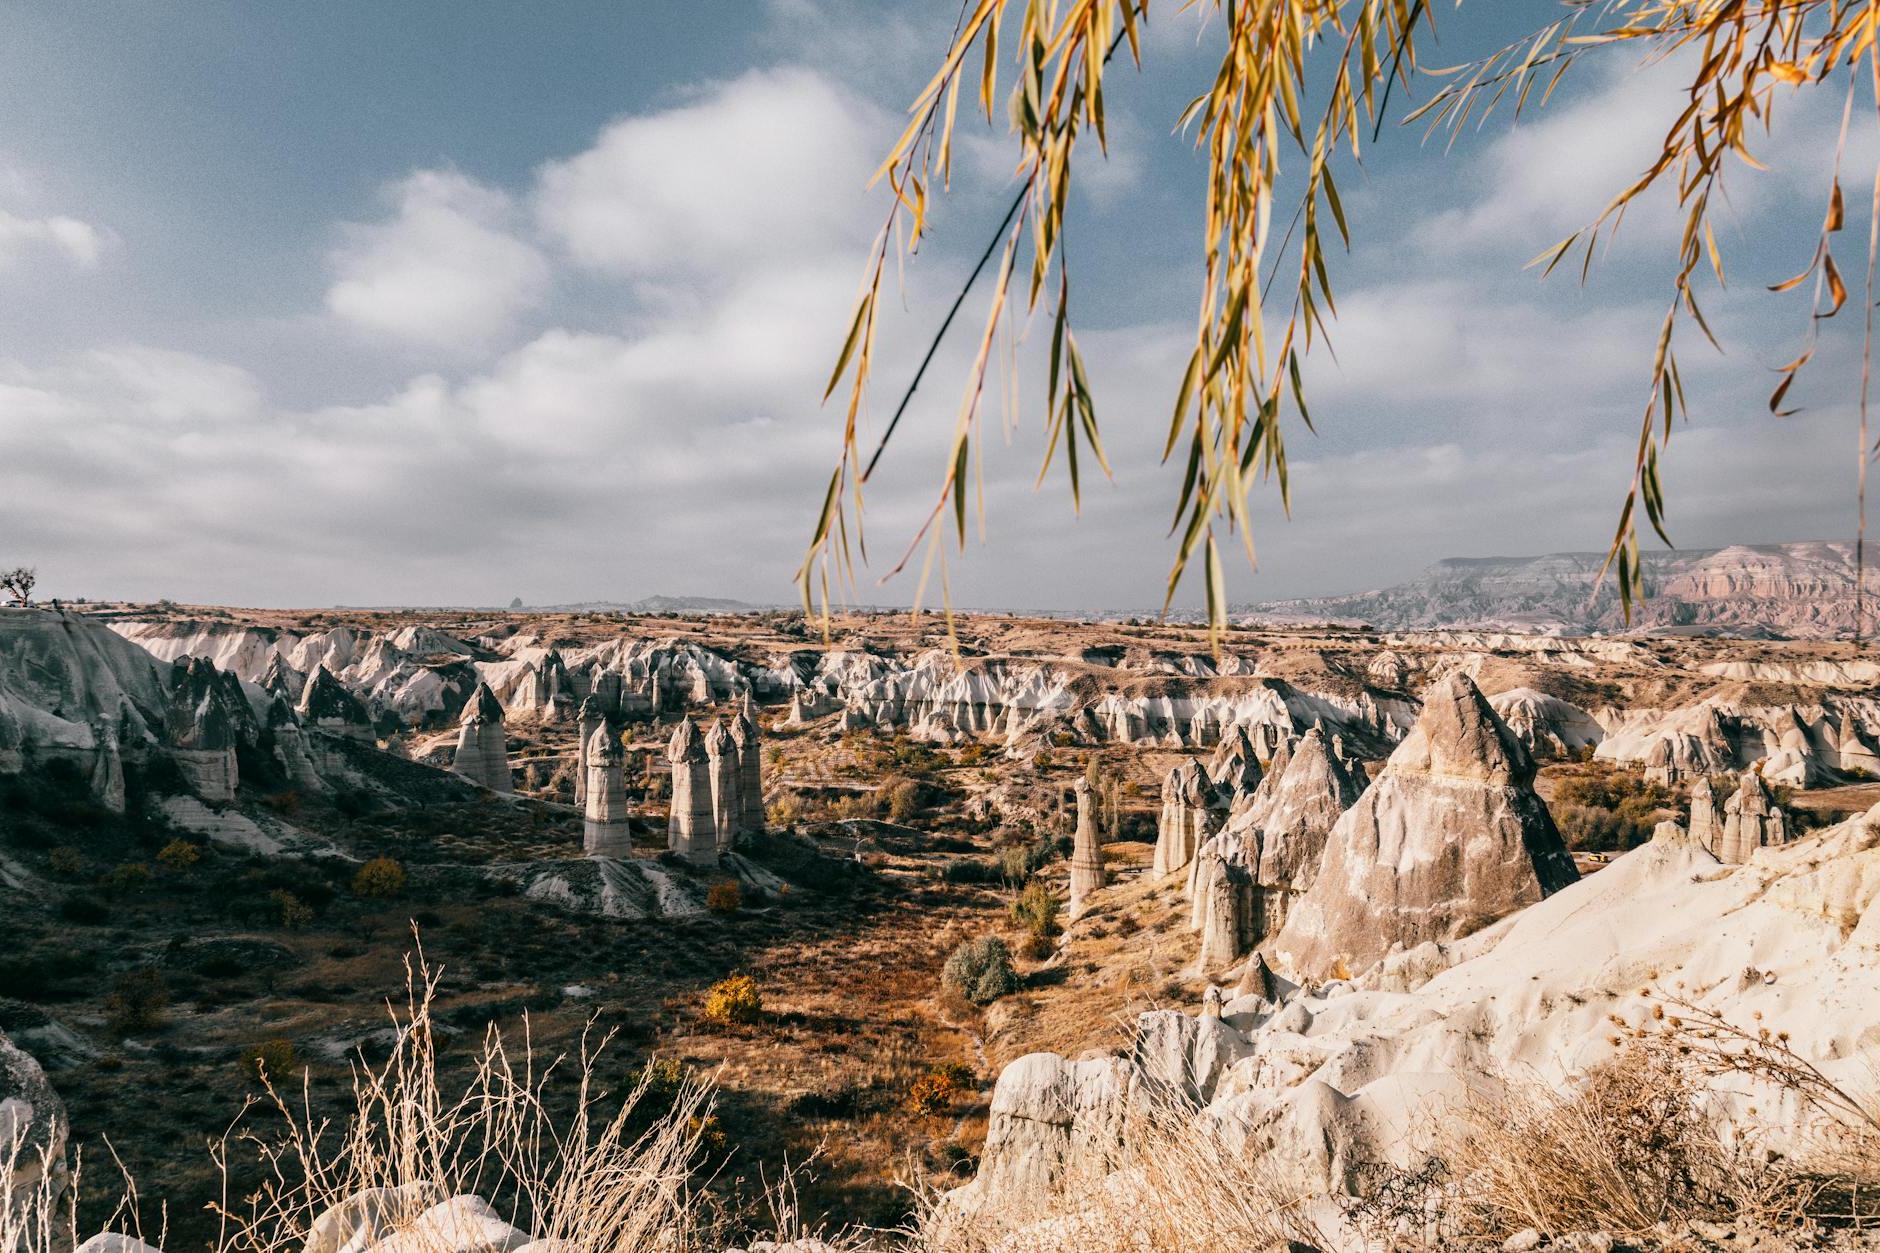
(482, 743)
(604, 829)
(689, 830)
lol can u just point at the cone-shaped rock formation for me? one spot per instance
(1450, 837)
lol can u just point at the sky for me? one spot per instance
(449, 303)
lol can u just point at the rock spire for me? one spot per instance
(482, 743)
(1450, 837)
(604, 829)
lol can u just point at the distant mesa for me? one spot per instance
(1794, 591)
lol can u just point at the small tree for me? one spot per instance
(18, 583)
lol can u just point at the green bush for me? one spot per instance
(903, 799)
(1036, 910)
(294, 912)
(981, 970)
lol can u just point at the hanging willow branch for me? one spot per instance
(1244, 377)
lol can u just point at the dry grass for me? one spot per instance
(1177, 1185)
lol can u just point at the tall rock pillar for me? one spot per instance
(591, 717)
(721, 754)
(482, 742)
(1087, 874)
(604, 830)
(689, 831)
(745, 731)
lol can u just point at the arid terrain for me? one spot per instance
(225, 833)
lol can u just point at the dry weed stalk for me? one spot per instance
(1641, 1141)
(586, 1179)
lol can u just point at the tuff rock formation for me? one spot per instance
(1322, 1085)
(1751, 820)
(1087, 873)
(604, 829)
(32, 1121)
(748, 737)
(1446, 840)
(202, 730)
(290, 746)
(326, 705)
(1243, 886)
(1187, 817)
(482, 742)
(1706, 818)
(106, 781)
(1235, 767)
(591, 716)
(726, 774)
(690, 831)
(1546, 725)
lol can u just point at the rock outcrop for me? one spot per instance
(1323, 1086)
(1546, 725)
(483, 742)
(1706, 818)
(1449, 838)
(1087, 873)
(290, 747)
(327, 706)
(605, 830)
(690, 829)
(1751, 820)
(591, 714)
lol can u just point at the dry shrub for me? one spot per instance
(1627, 1148)
(1640, 1141)
(734, 1000)
(1176, 1184)
(725, 897)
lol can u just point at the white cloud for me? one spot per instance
(78, 242)
(444, 271)
(771, 165)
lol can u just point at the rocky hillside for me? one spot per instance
(1794, 591)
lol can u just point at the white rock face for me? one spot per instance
(1799, 744)
(1360, 1072)
(691, 831)
(62, 675)
(1546, 725)
(1248, 877)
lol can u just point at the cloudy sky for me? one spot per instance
(444, 303)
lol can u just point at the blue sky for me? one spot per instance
(453, 302)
